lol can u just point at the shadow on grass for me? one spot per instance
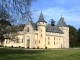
(19, 51)
(18, 54)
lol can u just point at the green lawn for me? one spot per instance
(16, 54)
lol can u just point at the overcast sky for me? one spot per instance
(69, 9)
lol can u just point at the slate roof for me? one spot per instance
(34, 26)
(20, 27)
(49, 28)
(54, 29)
(16, 28)
(61, 22)
(41, 18)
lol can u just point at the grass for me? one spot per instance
(18, 54)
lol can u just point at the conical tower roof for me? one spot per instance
(61, 22)
(41, 18)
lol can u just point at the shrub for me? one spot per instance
(19, 46)
(5, 46)
(37, 47)
(33, 47)
(28, 47)
(11, 46)
(46, 47)
(22, 47)
(1, 46)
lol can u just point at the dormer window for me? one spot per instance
(27, 29)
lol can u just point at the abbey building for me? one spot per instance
(38, 35)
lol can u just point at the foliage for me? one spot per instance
(72, 36)
(52, 22)
(4, 22)
(28, 47)
(4, 14)
(78, 34)
(15, 9)
(3, 25)
(19, 54)
(37, 47)
(46, 47)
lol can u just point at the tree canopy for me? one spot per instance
(17, 10)
(72, 36)
(78, 34)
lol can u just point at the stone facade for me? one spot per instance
(41, 35)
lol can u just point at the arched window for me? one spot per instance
(28, 40)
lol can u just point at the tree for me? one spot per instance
(12, 10)
(52, 22)
(3, 25)
(72, 36)
(78, 34)
(4, 14)
(17, 9)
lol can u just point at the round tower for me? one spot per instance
(41, 25)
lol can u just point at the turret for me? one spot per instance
(41, 25)
(41, 20)
(63, 26)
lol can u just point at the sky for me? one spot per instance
(54, 9)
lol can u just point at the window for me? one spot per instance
(48, 38)
(54, 43)
(35, 42)
(48, 42)
(17, 40)
(59, 38)
(27, 29)
(9, 41)
(41, 30)
(6, 42)
(41, 35)
(28, 42)
(54, 38)
(22, 40)
(39, 41)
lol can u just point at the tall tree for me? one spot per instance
(3, 25)
(72, 36)
(78, 34)
(17, 9)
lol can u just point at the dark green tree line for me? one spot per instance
(74, 36)
(78, 35)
